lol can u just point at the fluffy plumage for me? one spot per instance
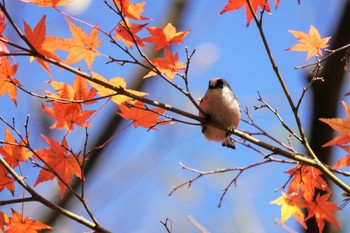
(221, 107)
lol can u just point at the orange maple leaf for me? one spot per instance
(291, 205)
(7, 80)
(117, 82)
(124, 35)
(344, 161)
(84, 46)
(233, 5)
(6, 182)
(4, 220)
(306, 179)
(168, 65)
(3, 45)
(340, 125)
(79, 90)
(19, 224)
(323, 210)
(310, 43)
(66, 115)
(131, 10)
(12, 151)
(165, 37)
(142, 116)
(57, 157)
(49, 3)
(37, 37)
(81, 47)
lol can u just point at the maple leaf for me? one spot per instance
(233, 5)
(142, 116)
(291, 205)
(49, 3)
(344, 161)
(306, 179)
(66, 115)
(79, 90)
(7, 80)
(4, 220)
(14, 152)
(323, 210)
(340, 125)
(37, 37)
(124, 35)
(118, 82)
(18, 224)
(310, 43)
(6, 182)
(131, 10)
(57, 157)
(168, 65)
(165, 37)
(80, 47)
(3, 46)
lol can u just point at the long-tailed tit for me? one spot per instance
(221, 107)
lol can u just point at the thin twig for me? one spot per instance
(331, 53)
(14, 201)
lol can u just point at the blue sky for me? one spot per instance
(129, 193)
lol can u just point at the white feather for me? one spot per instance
(223, 108)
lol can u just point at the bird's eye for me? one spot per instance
(219, 83)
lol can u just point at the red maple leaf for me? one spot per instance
(165, 37)
(340, 125)
(233, 5)
(7, 80)
(306, 179)
(3, 45)
(66, 115)
(124, 35)
(37, 37)
(4, 220)
(49, 3)
(19, 224)
(81, 47)
(168, 65)
(131, 10)
(323, 211)
(79, 90)
(84, 46)
(57, 157)
(12, 151)
(345, 160)
(142, 116)
(6, 181)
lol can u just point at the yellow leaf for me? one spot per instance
(118, 82)
(291, 205)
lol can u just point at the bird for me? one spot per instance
(220, 106)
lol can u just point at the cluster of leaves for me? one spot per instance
(68, 101)
(70, 105)
(304, 180)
